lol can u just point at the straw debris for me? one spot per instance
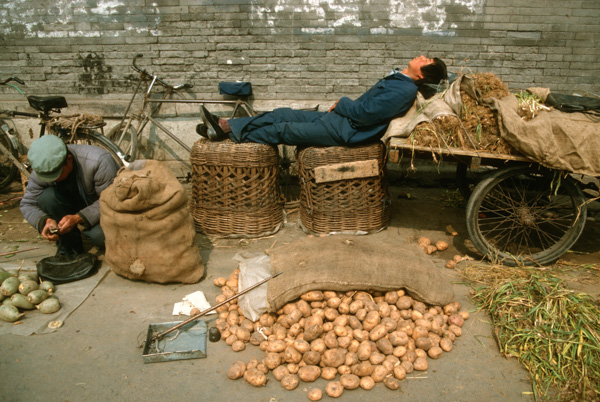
(553, 331)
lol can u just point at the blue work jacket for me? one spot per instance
(367, 117)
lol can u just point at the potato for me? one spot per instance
(441, 245)
(361, 314)
(419, 332)
(398, 338)
(407, 366)
(371, 320)
(404, 302)
(313, 332)
(315, 394)
(464, 315)
(423, 241)
(231, 339)
(354, 322)
(385, 346)
(292, 368)
(376, 358)
(379, 373)
(389, 323)
(450, 264)
(291, 355)
(236, 370)
(399, 351)
(311, 358)
(391, 383)
(334, 389)
(399, 372)
(367, 383)
(243, 334)
(290, 381)
(435, 352)
(351, 359)
(238, 346)
(363, 369)
(446, 344)
(334, 357)
(329, 373)
(364, 350)
(455, 319)
(457, 331)
(420, 364)
(304, 308)
(334, 302)
(344, 342)
(378, 332)
(423, 343)
(272, 360)
(220, 282)
(330, 340)
(350, 381)
(344, 308)
(312, 296)
(255, 377)
(343, 369)
(318, 345)
(276, 346)
(309, 373)
(280, 372)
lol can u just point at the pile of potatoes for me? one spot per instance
(22, 292)
(364, 338)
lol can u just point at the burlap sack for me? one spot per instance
(148, 227)
(344, 263)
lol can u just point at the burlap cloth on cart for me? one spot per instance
(345, 262)
(148, 227)
(554, 139)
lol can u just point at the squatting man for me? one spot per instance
(63, 192)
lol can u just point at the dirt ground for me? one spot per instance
(95, 355)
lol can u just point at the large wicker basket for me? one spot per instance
(235, 192)
(352, 205)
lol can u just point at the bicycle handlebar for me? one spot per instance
(158, 80)
(9, 79)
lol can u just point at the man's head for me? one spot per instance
(48, 156)
(427, 71)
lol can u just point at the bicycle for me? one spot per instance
(127, 134)
(73, 129)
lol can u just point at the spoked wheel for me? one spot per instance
(527, 216)
(101, 141)
(124, 140)
(8, 170)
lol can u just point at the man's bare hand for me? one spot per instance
(50, 225)
(68, 223)
(333, 106)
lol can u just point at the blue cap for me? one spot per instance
(47, 156)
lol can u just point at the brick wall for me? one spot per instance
(293, 49)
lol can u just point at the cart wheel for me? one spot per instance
(8, 171)
(526, 216)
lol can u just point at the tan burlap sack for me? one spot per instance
(148, 227)
(343, 263)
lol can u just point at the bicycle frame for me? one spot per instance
(150, 107)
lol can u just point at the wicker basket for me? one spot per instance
(235, 192)
(351, 205)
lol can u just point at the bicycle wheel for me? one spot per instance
(523, 215)
(101, 141)
(124, 142)
(8, 170)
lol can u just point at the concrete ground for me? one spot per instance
(95, 355)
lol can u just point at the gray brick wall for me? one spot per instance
(293, 49)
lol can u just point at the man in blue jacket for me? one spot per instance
(347, 121)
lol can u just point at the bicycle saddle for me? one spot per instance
(47, 103)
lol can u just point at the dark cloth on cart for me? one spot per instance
(351, 122)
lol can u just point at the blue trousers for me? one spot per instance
(291, 127)
(57, 205)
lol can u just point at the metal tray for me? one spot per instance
(188, 342)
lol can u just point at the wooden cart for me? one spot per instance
(519, 212)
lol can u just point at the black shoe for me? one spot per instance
(215, 132)
(202, 129)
